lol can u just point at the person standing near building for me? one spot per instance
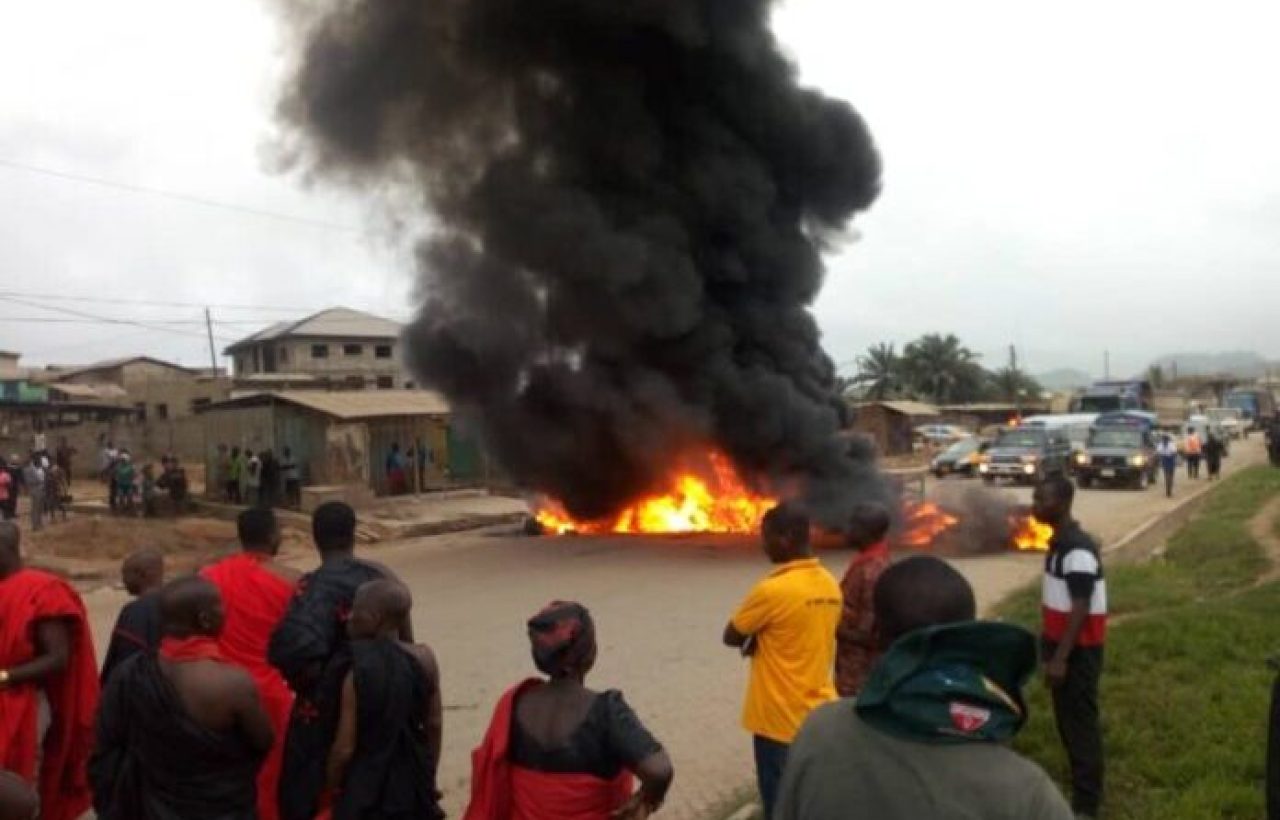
(33, 479)
(787, 626)
(252, 478)
(235, 470)
(856, 644)
(63, 457)
(290, 475)
(8, 493)
(1167, 453)
(1074, 609)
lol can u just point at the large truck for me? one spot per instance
(1172, 408)
(1115, 397)
(1256, 405)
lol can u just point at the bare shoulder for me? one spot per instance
(425, 657)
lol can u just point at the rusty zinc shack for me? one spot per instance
(344, 438)
(891, 424)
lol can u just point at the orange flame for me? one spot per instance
(714, 499)
(1030, 534)
(924, 522)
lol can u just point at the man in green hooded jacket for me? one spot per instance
(927, 735)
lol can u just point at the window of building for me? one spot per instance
(162, 412)
(319, 351)
(140, 410)
(199, 404)
(239, 364)
(382, 351)
(386, 383)
(353, 350)
(356, 382)
(282, 353)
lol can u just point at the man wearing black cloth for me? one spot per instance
(384, 758)
(181, 732)
(137, 627)
(311, 649)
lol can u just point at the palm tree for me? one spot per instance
(941, 369)
(879, 371)
(1011, 385)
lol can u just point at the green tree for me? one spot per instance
(880, 372)
(942, 369)
(1011, 385)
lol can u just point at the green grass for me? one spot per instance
(1185, 691)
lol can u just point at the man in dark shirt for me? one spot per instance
(1074, 609)
(311, 649)
(138, 626)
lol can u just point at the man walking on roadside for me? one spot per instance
(1074, 610)
(1192, 447)
(1167, 453)
(787, 626)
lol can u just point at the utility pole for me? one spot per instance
(1014, 385)
(213, 357)
(1106, 365)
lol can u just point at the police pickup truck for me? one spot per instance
(1026, 454)
(1120, 451)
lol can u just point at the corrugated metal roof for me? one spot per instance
(338, 322)
(906, 408)
(350, 405)
(110, 364)
(90, 391)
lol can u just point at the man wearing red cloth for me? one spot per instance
(255, 594)
(45, 647)
(181, 734)
(857, 645)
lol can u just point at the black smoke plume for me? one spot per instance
(629, 199)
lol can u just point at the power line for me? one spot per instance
(287, 311)
(104, 319)
(175, 195)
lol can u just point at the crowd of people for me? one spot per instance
(247, 691)
(1192, 450)
(258, 479)
(44, 477)
(139, 491)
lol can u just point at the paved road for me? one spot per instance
(660, 605)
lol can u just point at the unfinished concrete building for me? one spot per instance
(335, 349)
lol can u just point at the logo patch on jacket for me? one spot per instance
(968, 718)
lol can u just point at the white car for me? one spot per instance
(1230, 419)
(941, 433)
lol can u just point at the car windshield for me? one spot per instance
(1100, 404)
(961, 448)
(1115, 438)
(1020, 438)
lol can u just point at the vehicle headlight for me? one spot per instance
(1082, 458)
(983, 467)
(1029, 469)
(1137, 461)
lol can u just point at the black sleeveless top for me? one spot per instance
(609, 739)
(389, 774)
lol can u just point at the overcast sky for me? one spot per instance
(1068, 178)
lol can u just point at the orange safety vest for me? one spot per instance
(1193, 445)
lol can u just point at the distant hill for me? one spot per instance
(1064, 378)
(1243, 363)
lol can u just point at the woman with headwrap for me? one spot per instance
(556, 750)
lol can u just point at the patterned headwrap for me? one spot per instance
(563, 638)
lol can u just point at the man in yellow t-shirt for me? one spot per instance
(787, 625)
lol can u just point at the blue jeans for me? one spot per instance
(771, 759)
